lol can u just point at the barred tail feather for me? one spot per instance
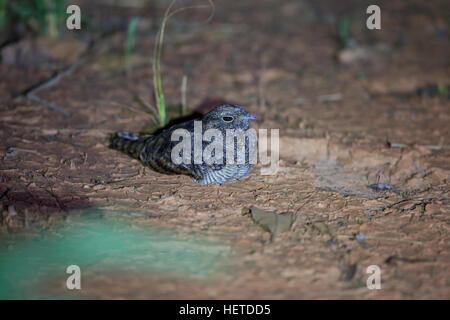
(128, 143)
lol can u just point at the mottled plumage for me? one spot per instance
(155, 151)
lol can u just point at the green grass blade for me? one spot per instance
(130, 42)
(156, 63)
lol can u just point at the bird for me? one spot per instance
(155, 151)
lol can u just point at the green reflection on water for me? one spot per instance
(97, 241)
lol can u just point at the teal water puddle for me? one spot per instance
(106, 242)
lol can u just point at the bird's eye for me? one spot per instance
(227, 119)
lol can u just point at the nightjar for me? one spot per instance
(156, 151)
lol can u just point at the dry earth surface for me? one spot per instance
(282, 62)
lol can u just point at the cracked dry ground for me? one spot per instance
(53, 165)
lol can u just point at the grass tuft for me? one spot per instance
(156, 63)
(39, 16)
(2, 13)
(345, 39)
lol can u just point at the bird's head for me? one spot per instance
(227, 116)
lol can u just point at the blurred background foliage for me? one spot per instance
(38, 17)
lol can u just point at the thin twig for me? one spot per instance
(51, 105)
(330, 97)
(31, 93)
(183, 95)
(405, 145)
(347, 237)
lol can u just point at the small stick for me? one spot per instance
(183, 95)
(31, 93)
(330, 97)
(431, 147)
(346, 237)
(51, 105)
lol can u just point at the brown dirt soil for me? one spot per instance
(278, 59)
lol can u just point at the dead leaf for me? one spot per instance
(273, 222)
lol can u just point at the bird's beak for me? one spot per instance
(251, 117)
